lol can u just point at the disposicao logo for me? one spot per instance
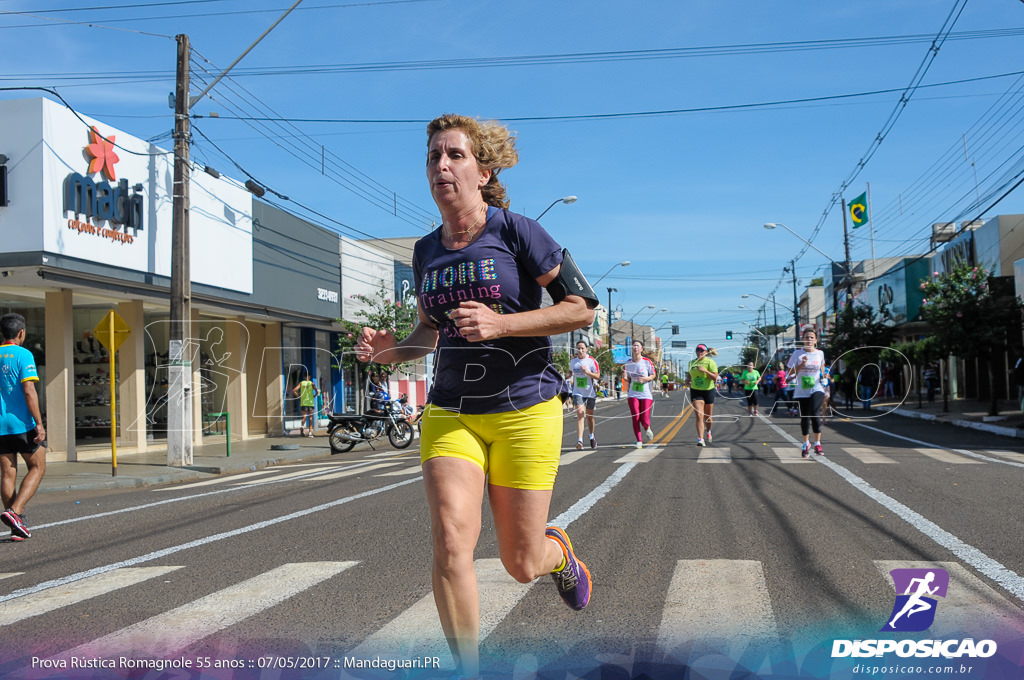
(915, 609)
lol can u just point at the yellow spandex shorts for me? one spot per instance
(516, 449)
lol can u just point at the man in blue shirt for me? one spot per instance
(21, 426)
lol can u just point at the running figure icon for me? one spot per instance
(915, 604)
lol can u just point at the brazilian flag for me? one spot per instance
(858, 208)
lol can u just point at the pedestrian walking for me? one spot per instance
(702, 378)
(21, 426)
(307, 392)
(931, 380)
(750, 378)
(585, 373)
(479, 278)
(805, 366)
(868, 379)
(639, 372)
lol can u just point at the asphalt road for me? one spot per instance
(739, 554)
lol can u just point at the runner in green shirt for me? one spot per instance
(307, 392)
(750, 379)
(703, 373)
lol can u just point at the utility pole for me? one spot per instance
(846, 264)
(796, 311)
(611, 343)
(179, 395)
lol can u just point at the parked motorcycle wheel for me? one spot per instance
(339, 443)
(400, 434)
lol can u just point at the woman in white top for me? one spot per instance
(804, 375)
(639, 373)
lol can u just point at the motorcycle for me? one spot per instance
(348, 429)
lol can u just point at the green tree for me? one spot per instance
(857, 335)
(382, 312)
(972, 313)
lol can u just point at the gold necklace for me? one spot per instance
(470, 232)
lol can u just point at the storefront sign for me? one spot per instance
(103, 201)
(326, 295)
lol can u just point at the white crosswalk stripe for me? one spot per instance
(789, 454)
(573, 456)
(717, 454)
(944, 456)
(639, 456)
(716, 599)
(417, 631)
(357, 471)
(168, 633)
(85, 589)
(869, 456)
(1009, 455)
(411, 470)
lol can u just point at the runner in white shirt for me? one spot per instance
(804, 375)
(639, 374)
(585, 372)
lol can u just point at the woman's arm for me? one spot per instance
(477, 321)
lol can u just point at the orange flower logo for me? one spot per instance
(103, 156)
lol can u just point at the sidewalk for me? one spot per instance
(209, 460)
(969, 413)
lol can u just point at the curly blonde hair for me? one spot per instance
(494, 147)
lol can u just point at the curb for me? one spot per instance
(970, 424)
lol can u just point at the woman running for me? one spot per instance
(639, 372)
(805, 373)
(703, 374)
(750, 379)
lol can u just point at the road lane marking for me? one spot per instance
(946, 457)
(166, 634)
(709, 599)
(206, 540)
(789, 454)
(991, 568)
(417, 633)
(869, 456)
(970, 606)
(711, 454)
(10, 574)
(85, 589)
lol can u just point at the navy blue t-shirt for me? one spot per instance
(498, 269)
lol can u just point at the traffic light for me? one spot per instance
(675, 329)
(728, 335)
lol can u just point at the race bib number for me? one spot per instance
(807, 382)
(638, 386)
(581, 383)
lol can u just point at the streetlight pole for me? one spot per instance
(796, 312)
(632, 330)
(624, 263)
(567, 200)
(611, 342)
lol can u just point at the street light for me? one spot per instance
(624, 263)
(611, 342)
(567, 200)
(632, 331)
(847, 277)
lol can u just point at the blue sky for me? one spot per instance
(682, 196)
